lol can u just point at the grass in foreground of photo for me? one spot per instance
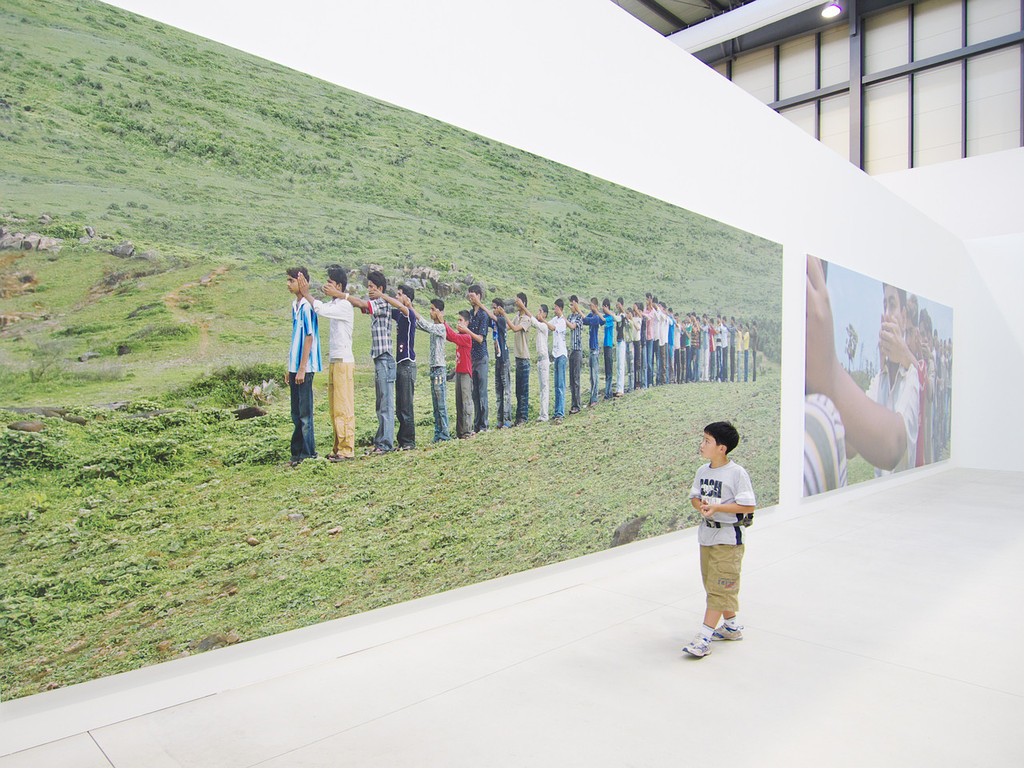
(135, 539)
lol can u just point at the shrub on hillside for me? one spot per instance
(223, 387)
(262, 449)
(29, 450)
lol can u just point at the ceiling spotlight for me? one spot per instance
(832, 10)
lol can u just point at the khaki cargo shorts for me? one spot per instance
(720, 569)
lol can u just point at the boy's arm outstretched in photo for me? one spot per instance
(338, 293)
(872, 430)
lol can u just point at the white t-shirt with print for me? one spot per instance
(727, 484)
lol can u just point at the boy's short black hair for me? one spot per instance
(338, 274)
(522, 297)
(496, 302)
(437, 303)
(477, 289)
(377, 278)
(620, 300)
(464, 314)
(408, 290)
(544, 308)
(574, 298)
(606, 303)
(294, 272)
(559, 303)
(724, 433)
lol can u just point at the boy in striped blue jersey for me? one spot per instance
(303, 362)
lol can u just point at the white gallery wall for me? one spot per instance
(980, 200)
(583, 83)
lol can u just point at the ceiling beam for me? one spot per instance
(664, 13)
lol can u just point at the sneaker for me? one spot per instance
(724, 632)
(698, 647)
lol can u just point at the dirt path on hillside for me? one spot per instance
(172, 301)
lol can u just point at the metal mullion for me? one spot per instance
(817, 60)
(963, 80)
(817, 84)
(910, 121)
(778, 66)
(963, 109)
(910, 87)
(857, 87)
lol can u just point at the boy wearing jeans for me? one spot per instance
(384, 372)
(561, 355)
(438, 367)
(303, 362)
(723, 495)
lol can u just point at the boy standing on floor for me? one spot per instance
(722, 493)
(341, 368)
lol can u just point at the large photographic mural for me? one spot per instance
(156, 187)
(878, 378)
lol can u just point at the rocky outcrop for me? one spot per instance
(124, 250)
(33, 241)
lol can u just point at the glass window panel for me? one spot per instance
(886, 41)
(989, 19)
(796, 67)
(802, 117)
(938, 26)
(835, 124)
(993, 102)
(938, 129)
(886, 126)
(835, 56)
(755, 74)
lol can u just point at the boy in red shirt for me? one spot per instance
(463, 339)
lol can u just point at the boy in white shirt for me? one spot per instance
(342, 365)
(724, 496)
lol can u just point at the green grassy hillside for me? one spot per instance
(209, 157)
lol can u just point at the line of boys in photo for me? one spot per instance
(640, 345)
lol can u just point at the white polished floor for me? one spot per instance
(881, 630)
